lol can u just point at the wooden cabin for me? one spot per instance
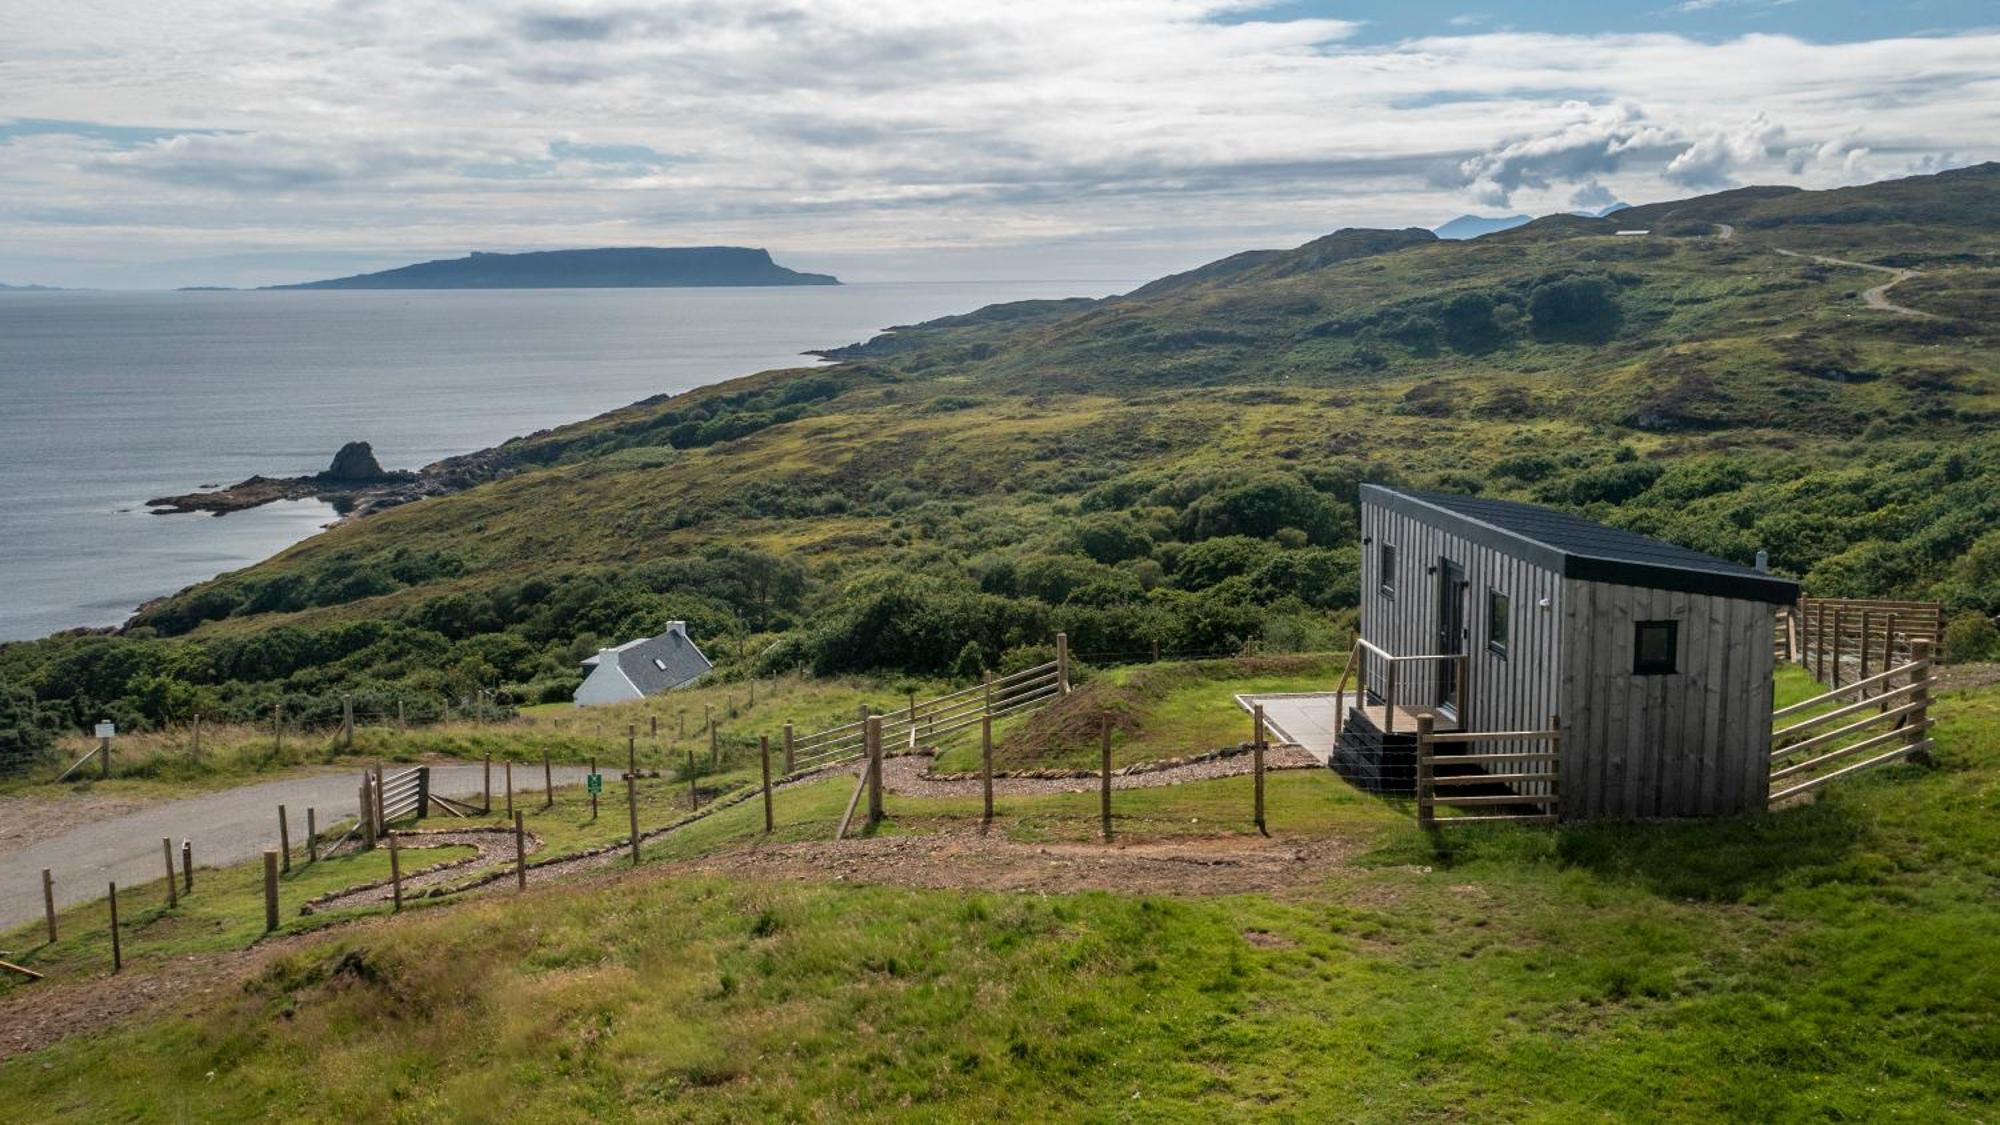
(1491, 615)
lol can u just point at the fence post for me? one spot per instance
(423, 792)
(1866, 648)
(653, 722)
(187, 866)
(593, 792)
(986, 763)
(486, 808)
(1426, 815)
(1389, 702)
(312, 834)
(270, 890)
(1062, 663)
(117, 953)
(714, 747)
(1555, 766)
(521, 854)
(1839, 631)
(509, 766)
(49, 901)
(873, 737)
(1819, 641)
(1104, 782)
(278, 725)
(284, 840)
(548, 782)
(381, 808)
(1257, 762)
(764, 753)
(682, 717)
(104, 758)
(632, 812)
(791, 757)
(1888, 647)
(167, 853)
(1920, 657)
(395, 874)
(347, 721)
(367, 817)
(402, 722)
(631, 751)
(194, 733)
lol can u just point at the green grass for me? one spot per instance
(1828, 961)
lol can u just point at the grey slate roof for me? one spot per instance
(1579, 548)
(656, 664)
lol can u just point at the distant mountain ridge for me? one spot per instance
(617, 267)
(1475, 226)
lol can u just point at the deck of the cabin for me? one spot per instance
(1308, 719)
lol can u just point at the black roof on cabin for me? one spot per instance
(1578, 548)
(656, 664)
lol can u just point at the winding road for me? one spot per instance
(1878, 297)
(226, 827)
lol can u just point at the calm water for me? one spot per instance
(109, 399)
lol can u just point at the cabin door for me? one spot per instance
(1451, 632)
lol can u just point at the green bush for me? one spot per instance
(1971, 636)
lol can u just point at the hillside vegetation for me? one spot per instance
(1176, 467)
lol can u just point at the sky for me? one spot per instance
(219, 142)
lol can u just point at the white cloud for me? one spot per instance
(850, 128)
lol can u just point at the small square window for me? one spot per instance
(1656, 649)
(1498, 627)
(1385, 561)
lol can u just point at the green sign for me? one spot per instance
(595, 782)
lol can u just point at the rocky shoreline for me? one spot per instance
(355, 484)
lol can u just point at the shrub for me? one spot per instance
(1971, 636)
(1113, 538)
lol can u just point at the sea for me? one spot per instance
(108, 399)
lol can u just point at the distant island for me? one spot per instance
(6, 288)
(619, 267)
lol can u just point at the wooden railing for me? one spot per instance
(1393, 680)
(1539, 771)
(1885, 721)
(1846, 639)
(931, 721)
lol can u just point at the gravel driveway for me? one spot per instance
(226, 827)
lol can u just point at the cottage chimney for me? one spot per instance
(1763, 562)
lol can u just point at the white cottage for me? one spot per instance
(644, 667)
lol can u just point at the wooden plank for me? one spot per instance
(1856, 706)
(1525, 818)
(1491, 779)
(1839, 693)
(1823, 779)
(1507, 756)
(1470, 802)
(24, 971)
(1496, 735)
(1883, 739)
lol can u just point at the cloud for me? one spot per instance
(1592, 196)
(1596, 141)
(876, 127)
(1708, 162)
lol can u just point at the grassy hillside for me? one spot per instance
(1829, 961)
(1175, 467)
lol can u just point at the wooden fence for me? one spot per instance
(931, 721)
(1462, 788)
(1840, 640)
(1885, 721)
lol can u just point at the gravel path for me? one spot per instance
(228, 826)
(493, 849)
